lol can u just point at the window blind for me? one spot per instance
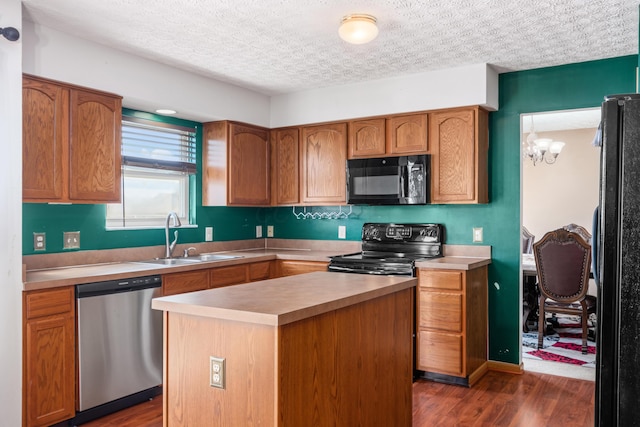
(158, 146)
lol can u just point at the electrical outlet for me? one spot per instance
(269, 230)
(258, 231)
(208, 234)
(71, 240)
(217, 375)
(477, 235)
(342, 232)
(39, 241)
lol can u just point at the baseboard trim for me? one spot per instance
(510, 368)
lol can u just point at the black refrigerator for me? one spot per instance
(617, 264)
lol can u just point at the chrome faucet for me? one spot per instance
(176, 223)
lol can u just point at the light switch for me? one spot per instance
(208, 234)
(477, 235)
(342, 232)
(258, 231)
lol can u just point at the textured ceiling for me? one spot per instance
(282, 46)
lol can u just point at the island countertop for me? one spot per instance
(284, 300)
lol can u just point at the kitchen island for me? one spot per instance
(314, 349)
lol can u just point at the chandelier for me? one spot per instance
(540, 149)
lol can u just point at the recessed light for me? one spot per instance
(165, 111)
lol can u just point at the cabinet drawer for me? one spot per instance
(442, 311)
(450, 280)
(259, 271)
(180, 283)
(48, 302)
(440, 353)
(224, 276)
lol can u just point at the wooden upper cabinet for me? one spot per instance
(235, 165)
(459, 146)
(94, 149)
(366, 138)
(285, 170)
(323, 164)
(71, 139)
(45, 132)
(407, 134)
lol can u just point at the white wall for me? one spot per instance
(456, 87)
(11, 222)
(145, 85)
(566, 191)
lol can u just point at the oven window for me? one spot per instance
(375, 185)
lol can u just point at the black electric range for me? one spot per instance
(392, 249)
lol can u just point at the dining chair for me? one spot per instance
(575, 228)
(563, 260)
(527, 241)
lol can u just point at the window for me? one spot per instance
(158, 174)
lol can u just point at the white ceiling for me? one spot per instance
(584, 118)
(283, 46)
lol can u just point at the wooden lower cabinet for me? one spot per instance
(346, 367)
(189, 281)
(290, 268)
(48, 356)
(452, 325)
(225, 276)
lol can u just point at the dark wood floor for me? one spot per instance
(498, 399)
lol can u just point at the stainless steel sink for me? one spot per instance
(190, 260)
(214, 257)
(171, 261)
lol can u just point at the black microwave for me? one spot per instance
(402, 180)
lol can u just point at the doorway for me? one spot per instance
(559, 186)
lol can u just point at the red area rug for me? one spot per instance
(565, 346)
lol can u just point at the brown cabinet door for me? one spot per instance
(94, 151)
(249, 182)
(49, 357)
(366, 138)
(407, 134)
(285, 166)
(324, 156)
(260, 270)
(226, 276)
(190, 281)
(459, 156)
(45, 132)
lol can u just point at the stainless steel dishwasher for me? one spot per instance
(119, 345)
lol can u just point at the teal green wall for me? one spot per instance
(556, 88)
(228, 223)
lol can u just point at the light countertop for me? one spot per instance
(78, 274)
(284, 300)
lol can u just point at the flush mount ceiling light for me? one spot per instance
(358, 29)
(165, 111)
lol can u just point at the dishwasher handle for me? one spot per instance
(117, 286)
